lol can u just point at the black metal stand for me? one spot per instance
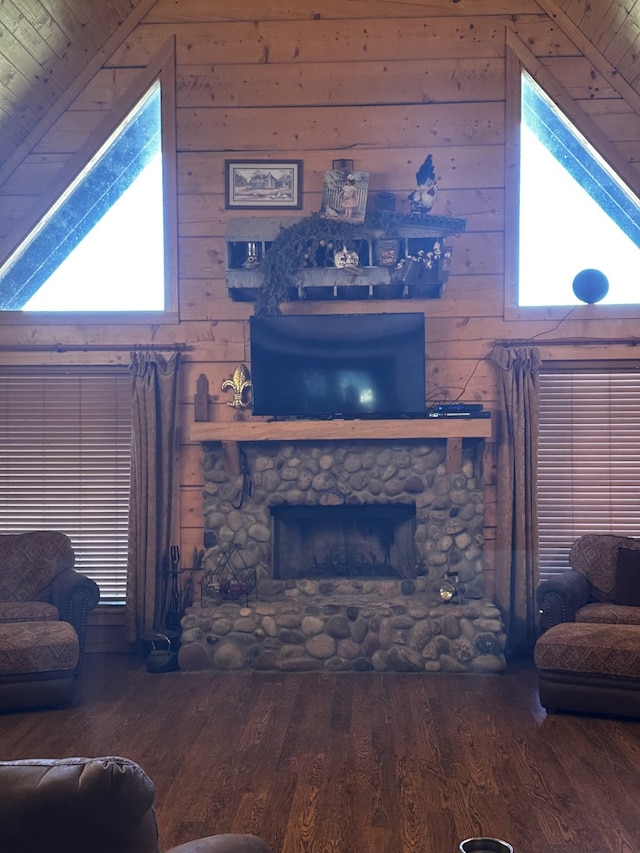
(227, 581)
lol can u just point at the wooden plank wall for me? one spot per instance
(382, 83)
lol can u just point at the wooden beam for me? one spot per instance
(342, 430)
(231, 452)
(453, 430)
(454, 454)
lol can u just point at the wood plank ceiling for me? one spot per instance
(612, 27)
(45, 45)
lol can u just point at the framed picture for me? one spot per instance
(263, 184)
(344, 195)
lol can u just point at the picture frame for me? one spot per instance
(263, 184)
(344, 195)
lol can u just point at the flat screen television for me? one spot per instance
(338, 365)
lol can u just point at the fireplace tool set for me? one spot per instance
(231, 579)
(180, 594)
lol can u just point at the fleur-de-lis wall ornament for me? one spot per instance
(241, 385)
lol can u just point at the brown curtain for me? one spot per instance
(517, 530)
(154, 398)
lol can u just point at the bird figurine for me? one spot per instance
(423, 198)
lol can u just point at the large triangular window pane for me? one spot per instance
(101, 246)
(576, 214)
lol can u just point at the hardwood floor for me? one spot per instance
(367, 762)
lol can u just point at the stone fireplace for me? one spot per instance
(349, 542)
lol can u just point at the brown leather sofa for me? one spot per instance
(102, 805)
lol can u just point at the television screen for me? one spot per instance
(338, 365)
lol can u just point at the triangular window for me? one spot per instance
(576, 214)
(101, 246)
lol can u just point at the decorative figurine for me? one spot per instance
(344, 259)
(422, 199)
(240, 383)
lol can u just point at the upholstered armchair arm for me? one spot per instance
(224, 843)
(75, 594)
(559, 598)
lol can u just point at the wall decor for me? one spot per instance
(263, 184)
(241, 385)
(344, 195)
(387, 251)
(296, 261)
(422, 199)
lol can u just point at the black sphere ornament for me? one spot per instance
(590, 286)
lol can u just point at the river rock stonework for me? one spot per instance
(346, 623)
(378, 629)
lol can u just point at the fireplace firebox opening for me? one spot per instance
(357, 541)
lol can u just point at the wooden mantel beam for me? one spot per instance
(340, 430)
(453, 430)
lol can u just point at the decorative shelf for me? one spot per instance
(322, 282)
(454, 430)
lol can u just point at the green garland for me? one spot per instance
(297, 245)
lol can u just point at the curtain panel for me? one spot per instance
(517, 531)
(152, 509)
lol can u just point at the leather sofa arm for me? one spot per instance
(102, 804)
(75, 805)
(223, 843)
(559, 598)
(75, 594)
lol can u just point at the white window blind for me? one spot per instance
(65, 442)
(588, 459)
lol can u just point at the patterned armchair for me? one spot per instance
(592, 590)
(39, 584)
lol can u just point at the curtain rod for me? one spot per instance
(182, 347)
(631, 342)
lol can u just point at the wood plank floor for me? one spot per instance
(366, 762)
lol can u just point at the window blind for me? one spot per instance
(588, 459)
(65, 443)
